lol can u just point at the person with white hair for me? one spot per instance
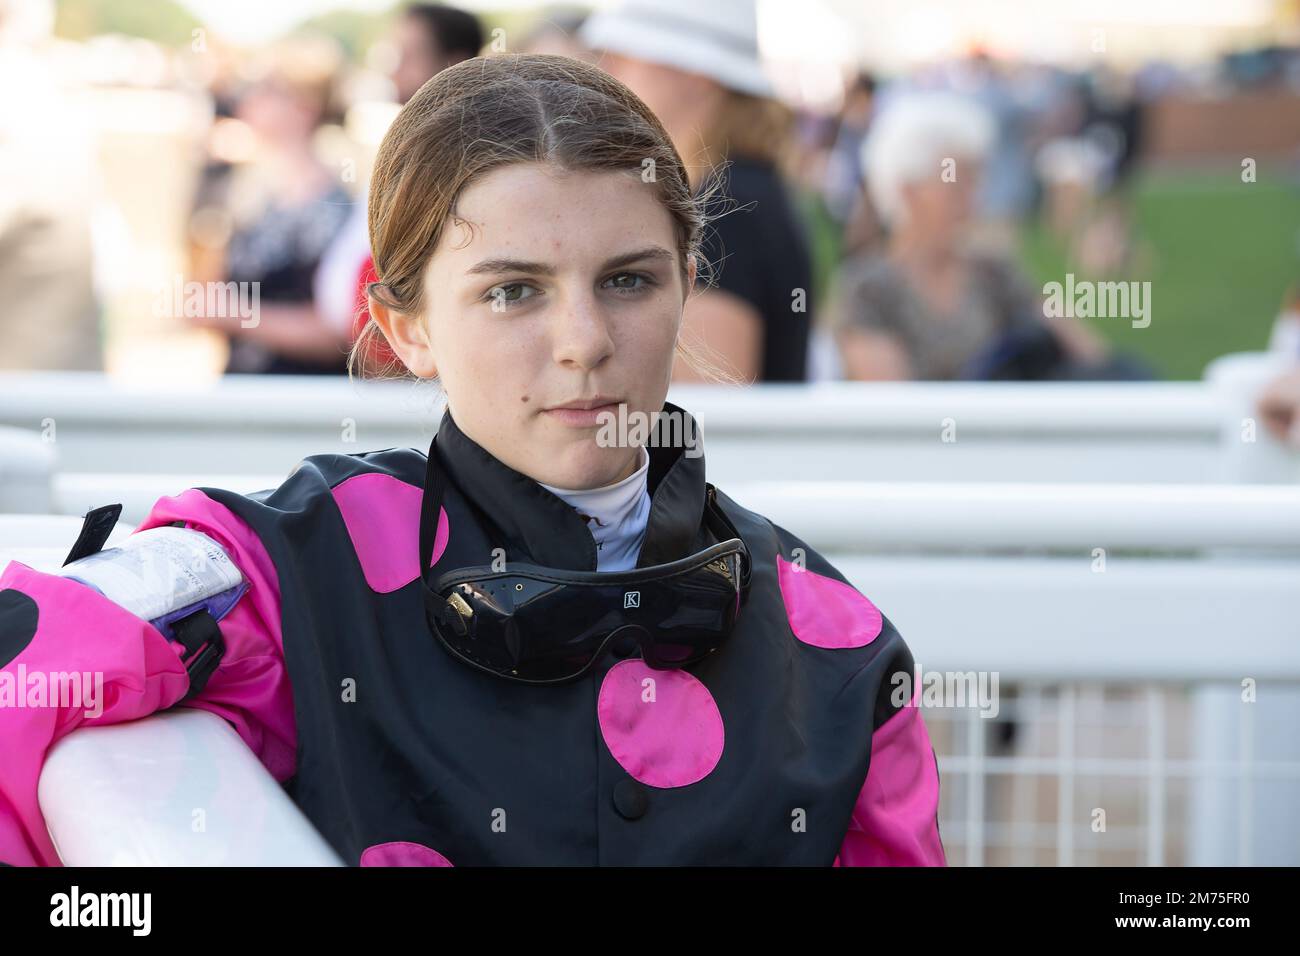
(920, 138)
(930, 306)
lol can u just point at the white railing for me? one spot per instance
(75, 493)
(1082, 432)
(1114, 581)
(1194, 590)
(26, 468)
(1118, 774)
(1123, 557)
(887, 515)
(43, 541)
(872, 516)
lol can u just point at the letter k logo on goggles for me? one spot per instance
(539, 625)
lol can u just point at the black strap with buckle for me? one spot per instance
(199, 635)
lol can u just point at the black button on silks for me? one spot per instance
(624, 645)
(630, 799)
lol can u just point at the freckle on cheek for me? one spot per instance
(524, 398)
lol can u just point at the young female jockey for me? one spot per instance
(549, 640)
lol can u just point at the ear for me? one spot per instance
(407, 336)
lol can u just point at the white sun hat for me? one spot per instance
(716, 38)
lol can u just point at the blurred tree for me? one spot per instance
(162, 21)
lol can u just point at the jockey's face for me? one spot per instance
(551, 286)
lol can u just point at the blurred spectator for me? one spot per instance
(929, 307)
(556, 32)
(1007, 186)
(1088, 171)
(429, 38)
(50, 318)
(1114, 119)
(285, 207)
(843, 176)
(1285, 336)
(1279, 406)
(697, 66)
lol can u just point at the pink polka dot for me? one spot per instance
(402, 853)
(825, 612)
(667, 733)
(382, 515)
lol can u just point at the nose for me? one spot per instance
(580, 333)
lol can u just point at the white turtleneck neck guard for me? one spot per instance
(616, 516)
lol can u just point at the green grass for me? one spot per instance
(1220, 255)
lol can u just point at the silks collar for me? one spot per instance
(535, 525)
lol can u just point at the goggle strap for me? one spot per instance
(435, 484)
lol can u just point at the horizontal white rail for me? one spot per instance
(875, 516)
(26, 464)
(886, 431)
(43, 541)
(1220, 601)
(872, 516)
(75, 493)
(242, 402)
(1058, 618)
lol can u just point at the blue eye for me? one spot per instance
(508, 294)
(620, 283)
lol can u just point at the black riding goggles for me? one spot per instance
(540, 625)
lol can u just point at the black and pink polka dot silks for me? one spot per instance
(783, 748)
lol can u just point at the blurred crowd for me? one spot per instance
(873, 239)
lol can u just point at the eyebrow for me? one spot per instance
(500, 265)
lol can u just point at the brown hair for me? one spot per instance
(485, 113)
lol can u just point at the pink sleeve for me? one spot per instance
(895, 821)
(53, 630)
